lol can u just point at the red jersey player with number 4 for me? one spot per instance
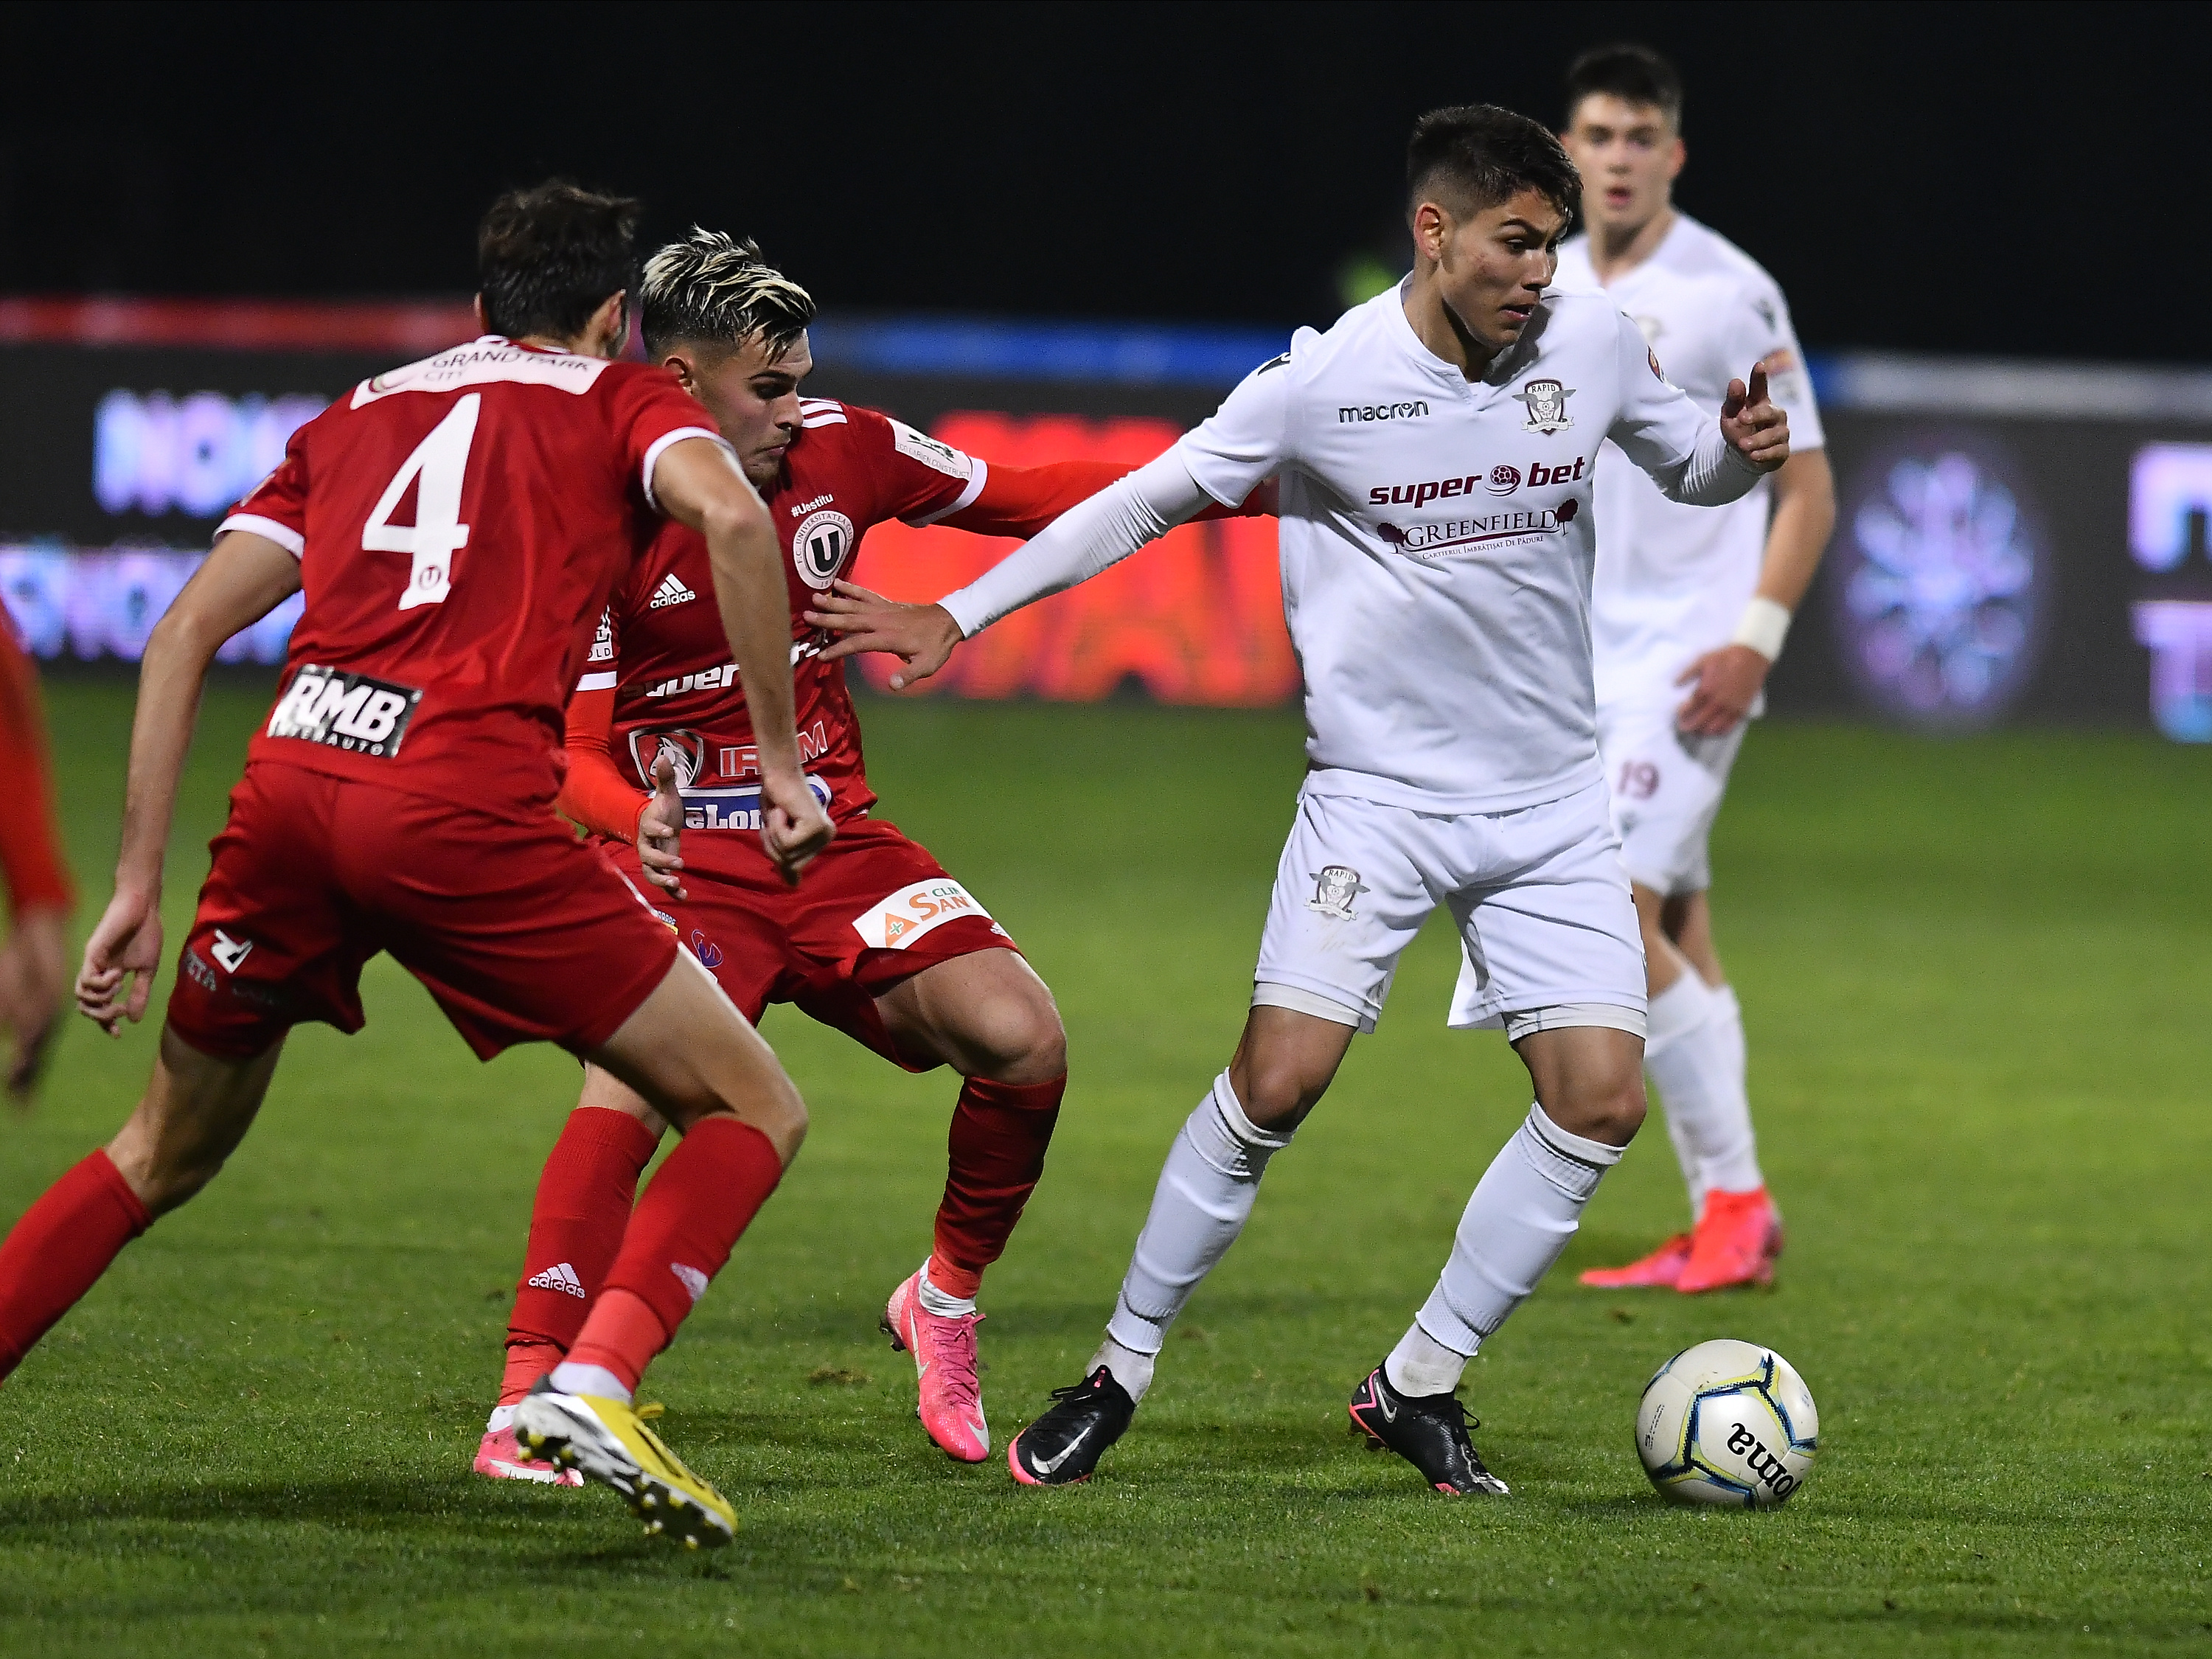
(882, 942)
(455, 525)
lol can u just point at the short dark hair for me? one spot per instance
(714, 288)
(1633, 74)
(1475, 156)
(547, 258)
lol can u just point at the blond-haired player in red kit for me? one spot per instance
(455, 526)
(882, 942)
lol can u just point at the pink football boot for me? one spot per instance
(500, 1456)
(951, 1397)
(1737, 1239)
(1658, 1271)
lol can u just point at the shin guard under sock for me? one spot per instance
(704, 1196)
(1205, 1196)
(1524, 1210)
(584, 1200)
(995, 1154)
(59, 1249)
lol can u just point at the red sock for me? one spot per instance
(576, 1222)
(995, 1153)
(705, 1194)
(60, 1248)
(526, 1361)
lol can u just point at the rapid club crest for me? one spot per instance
(1335, 886)
(1546, 403)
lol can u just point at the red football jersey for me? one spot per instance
(459, 524)
(661, 647)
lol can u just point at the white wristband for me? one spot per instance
(1763, 627)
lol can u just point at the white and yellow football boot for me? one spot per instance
(606, 1440)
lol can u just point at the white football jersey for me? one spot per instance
(1672, 580)
(1437, 540)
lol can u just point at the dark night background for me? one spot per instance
(2021, 179)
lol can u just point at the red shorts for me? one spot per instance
(871, 911)
(520, 931)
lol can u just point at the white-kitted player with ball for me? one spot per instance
(1434, 450)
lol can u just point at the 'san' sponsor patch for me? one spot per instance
(894, 923)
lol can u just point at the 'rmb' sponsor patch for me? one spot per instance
(340, 710)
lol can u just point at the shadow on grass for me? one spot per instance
(500, 1517)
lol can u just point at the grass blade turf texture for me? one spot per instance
(1976, 976)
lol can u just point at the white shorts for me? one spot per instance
(1542, 908)
(1666, 789)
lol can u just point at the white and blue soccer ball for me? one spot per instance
(1727, 1422)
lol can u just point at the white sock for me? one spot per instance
(1132, 1370)
(570, 1377)
(1694, 1052)
(943, 1304)
(1525, 1208)
(1421, 1365)
(1685, 1155)
(1203, 1197)
(1727, 1174)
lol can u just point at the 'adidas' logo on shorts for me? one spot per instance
(561, 1277)
(670, 591)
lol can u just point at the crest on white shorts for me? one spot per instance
(1335, 885)
(1546, 403)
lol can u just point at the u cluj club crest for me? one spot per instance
(686, 751)
(1546, 403)
(1335, 885)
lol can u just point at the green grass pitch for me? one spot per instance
(1977, 976)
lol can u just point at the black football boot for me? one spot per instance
(1064, 1445)
(1428, 1431)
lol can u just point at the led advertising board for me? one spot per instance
(2012, 544)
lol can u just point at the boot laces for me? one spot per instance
(952, 1345)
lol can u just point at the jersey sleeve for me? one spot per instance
(276, 507)
(919, 479)
(602, 671)
(1246, 440)
(1658, 426)
(594, 793)
(30, 844)
(1760, 332)
(649, 412)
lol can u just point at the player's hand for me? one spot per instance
(1726, 683)
(794, 826)
(660, 831)
(1755, 428)
(33, 991)
(119, 960)
(921, 636)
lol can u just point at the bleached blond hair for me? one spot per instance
(713, 288)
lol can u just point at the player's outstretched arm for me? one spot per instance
(245, 578)
(1093, 537)
(697, 483)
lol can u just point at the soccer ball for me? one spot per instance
(1728, 1423)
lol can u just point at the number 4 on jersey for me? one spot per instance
(439, 460)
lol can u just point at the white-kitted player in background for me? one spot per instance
(1435, 450)
(1687, 613)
